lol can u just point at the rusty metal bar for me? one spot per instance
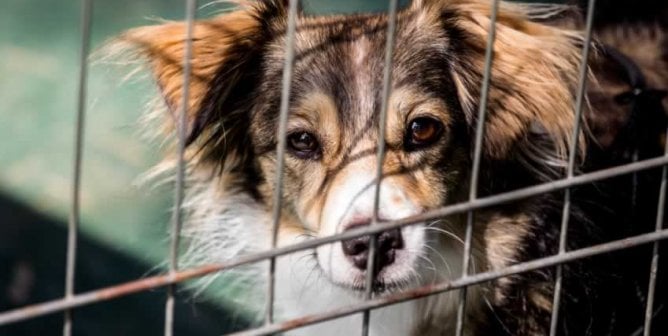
(475, 169)
(382, 125)
(462, 282)
(654, 265)
(73, 223)
(572, 155)
(108, 293)
(181, 125)
(280, 150)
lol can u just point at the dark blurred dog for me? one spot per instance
(627, 121)
(330, 166)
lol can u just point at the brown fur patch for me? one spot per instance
(164, 46)
(533, 76)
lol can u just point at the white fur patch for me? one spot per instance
(220, 228)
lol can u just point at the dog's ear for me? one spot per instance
(534, 71)
(224, 65)
(215, 45)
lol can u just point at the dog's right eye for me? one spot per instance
(422, 132)
(304, 145)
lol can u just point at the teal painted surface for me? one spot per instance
(39, 48)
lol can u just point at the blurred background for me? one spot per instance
(124, 225)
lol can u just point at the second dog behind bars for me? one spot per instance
(329, 177)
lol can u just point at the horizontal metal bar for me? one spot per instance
(433, 289)
(31, 311)
(105, 294)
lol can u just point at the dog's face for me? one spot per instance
(332, 136)
(335, 102)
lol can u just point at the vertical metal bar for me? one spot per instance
(387, 90)
(280, 150)
(181, 129)
(654, 266)
(572, 154)
(73, 224)
(475, 169)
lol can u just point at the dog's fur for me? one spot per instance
(438, 61)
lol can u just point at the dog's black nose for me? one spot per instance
(357, 249)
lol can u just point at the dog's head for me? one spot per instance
(335, 101)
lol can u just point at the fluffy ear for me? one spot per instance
(215, 44)
(534, 73)
(226, 51)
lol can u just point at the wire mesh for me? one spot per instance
(113, 292)
(174, 276)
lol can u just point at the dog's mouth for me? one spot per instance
(377, 287)
(380, 285)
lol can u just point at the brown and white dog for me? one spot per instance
(329, 177)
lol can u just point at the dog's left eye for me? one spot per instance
(304, 145)
(422, 132)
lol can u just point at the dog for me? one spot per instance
(329, 178)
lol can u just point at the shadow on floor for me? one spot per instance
(32, 263)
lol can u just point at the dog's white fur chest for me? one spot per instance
(232, 226)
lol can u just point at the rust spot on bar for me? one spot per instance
(83, 299)
(156, 281)
(296, 323)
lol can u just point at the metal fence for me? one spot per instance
(73, 300)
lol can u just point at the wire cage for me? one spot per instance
(73, 300)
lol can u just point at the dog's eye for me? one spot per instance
(304, 145)
(422, 132)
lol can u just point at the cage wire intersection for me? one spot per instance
(174, 275)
